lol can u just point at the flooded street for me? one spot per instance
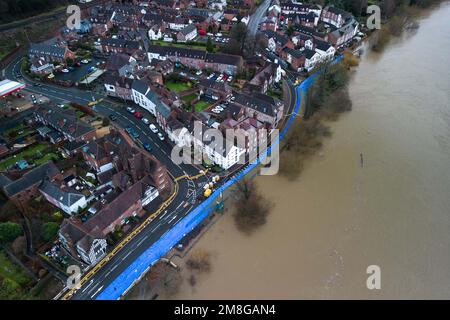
(339, 217)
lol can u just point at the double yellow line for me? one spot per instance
(191, 177)
(127, 239)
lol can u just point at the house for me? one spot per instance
(66, 122)
(143, 96)
(162, 114)
(210, 87)
(334, 16)
(122, 64)
(224, 63)
(198, 59)
(276, 41)
(41, 66)
(117, 150)
(154, 33)
(264, 108)
(344, 34)
(312, 58)
(326, 50)
(27, 187)
(187, 34)
(118, 86)
(67, 199)
(295, 58)
(266, 77)
(50, 52)
(115, 45)
(89, 245)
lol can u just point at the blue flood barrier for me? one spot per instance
(164, 244)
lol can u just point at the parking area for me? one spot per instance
(78, 73)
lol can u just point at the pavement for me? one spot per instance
(180, 204)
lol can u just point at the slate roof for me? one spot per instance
(40, 49)
(64, 121)
(188, 29)
(221, 58)
(67, 197)
(32, 177)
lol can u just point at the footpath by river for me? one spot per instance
(339, 217)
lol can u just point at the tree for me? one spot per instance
(251, 209)
(209, 45)
(105, 122)
(49, 230)
(9, 231)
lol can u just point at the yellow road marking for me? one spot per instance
(123, 242)
(192, 177)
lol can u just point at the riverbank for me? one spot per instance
(339, 217)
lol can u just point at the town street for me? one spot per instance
(182, 203)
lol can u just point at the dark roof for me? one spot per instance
(67, 197)
(257, 102)
(119, 205)
(117, 61)
(188, 29)
(40, 49)
(32, 177)
(309, 53)
(140, 86)
(221, 58)
(64, 121)
(294, 53)
(171, 51)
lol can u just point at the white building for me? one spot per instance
(155, 33)
(70, 201)
(143, 96)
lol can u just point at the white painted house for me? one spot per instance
(143, 96)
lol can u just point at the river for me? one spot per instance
(339, 217)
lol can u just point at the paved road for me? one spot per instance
(256, 17)
(183, 202)
(179, 207)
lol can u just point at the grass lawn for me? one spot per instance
(179, 45)
(28, 152)
(177, 86)
(201, 105)
(15, 275)
(47, 157)
(189, 98)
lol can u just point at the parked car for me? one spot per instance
(131, 110)
(112, 117)
(65, 70)
(153, 128)
(230, 78)
(138, 115)
(145, 121)
(147, 147)
(199, 72)
(84, 61)
(160, 136)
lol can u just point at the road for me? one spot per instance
(256, 17)
(182, 203)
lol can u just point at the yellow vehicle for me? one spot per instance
(93, 103)
(51, 76)
(207, 193)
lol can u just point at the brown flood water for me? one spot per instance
(338, 218)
